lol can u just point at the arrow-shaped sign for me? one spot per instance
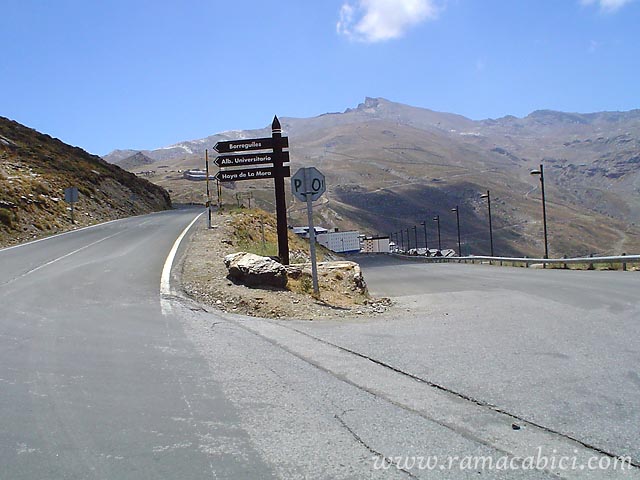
(249, 144)
(249, 174)
(247, 159)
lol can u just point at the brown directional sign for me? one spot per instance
(249, 144)
(247, 159)
(249, 174)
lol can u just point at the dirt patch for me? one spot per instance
(204, 275)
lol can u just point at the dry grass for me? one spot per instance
(255, 231)
(204, 276)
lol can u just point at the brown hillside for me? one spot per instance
(391, 166)
(36, 168)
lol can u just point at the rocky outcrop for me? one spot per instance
(344, 271)
(255, 271)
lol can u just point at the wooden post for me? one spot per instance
(206, 162)
(219, 188)
(281, 203)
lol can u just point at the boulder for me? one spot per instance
(255, 271)
(349, 272)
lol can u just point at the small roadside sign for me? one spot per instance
(308, 182)
(71, 194)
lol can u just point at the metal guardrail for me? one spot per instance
(591, 261)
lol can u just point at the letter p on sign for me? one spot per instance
(308, 181)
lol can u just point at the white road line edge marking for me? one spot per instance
(59, 235)
(76, 230)
(62, 257)
(165, 278)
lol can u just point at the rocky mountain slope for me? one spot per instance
(35, 169)
(391, 166)
(138, 159)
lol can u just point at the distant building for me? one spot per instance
(304, 231)
(376, 245)
(340, 242)
(197, 175)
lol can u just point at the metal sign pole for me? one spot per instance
(307, 185)
(312, 234)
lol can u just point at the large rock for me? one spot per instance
(255, 271)
(348, 272)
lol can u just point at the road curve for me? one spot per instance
(106, 372)
(95, 381)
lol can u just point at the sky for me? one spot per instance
(134, 74)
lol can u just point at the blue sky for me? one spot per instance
(146, 74)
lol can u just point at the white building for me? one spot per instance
(340, 242)
(376, 245)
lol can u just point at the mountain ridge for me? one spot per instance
(381, 149)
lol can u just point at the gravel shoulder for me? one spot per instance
(204, 279)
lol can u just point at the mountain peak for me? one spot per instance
(136, 160)
(548, 117)
(370, 102)
(369, 105)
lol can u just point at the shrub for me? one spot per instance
(40, 188)
(7, 217)
(87, 191)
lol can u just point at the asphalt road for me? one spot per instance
(106, 372)
(95, 381)
(558, 348)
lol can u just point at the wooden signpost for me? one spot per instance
(269, 164)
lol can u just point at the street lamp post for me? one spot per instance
(415, 236)
(426, 244)
(457, 212)
(401, 240)
(488, 197)
(437, 220)
(544, 209)
(408, 241)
